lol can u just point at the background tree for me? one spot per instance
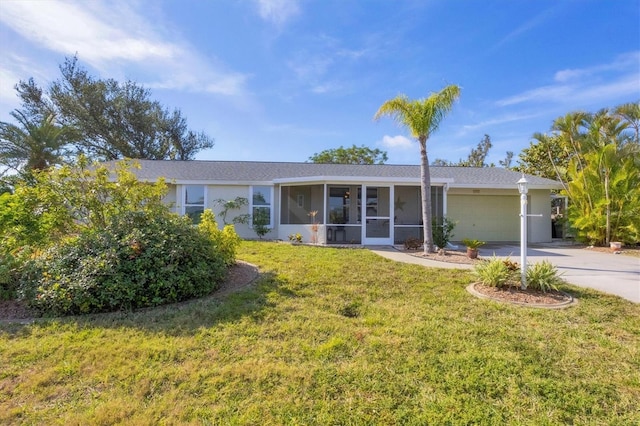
(596, 157)
(422, 117)
(115, 120)
(479, 154)
(477, 157)
(546, 156)
(35, 143)
(508, 159)
(352, 155)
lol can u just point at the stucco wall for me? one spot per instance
(488, 215)
(224, 192)
(170, 198)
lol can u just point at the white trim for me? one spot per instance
(359, 179)
(500, 186)
(325, 203)
(223, 182)
(445, 189)
(381, 240)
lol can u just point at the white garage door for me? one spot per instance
(485, 217)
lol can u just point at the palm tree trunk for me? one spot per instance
(425, 190)
(607, 235)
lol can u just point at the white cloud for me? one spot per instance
(14, 68)
(500, 120)
(529, 25)
(7, 92)
(277, 11)
(108, 35)
(396, 142)
(99, 34)
(599, 84)
(621, 63)
(327, 87)
(320, 65)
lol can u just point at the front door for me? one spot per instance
(376, 215)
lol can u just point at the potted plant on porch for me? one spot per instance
(472, 247)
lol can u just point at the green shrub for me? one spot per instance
(11, 265)
(442, 229)
(137, 260)
(543, 276)
(225, 242)
(62, 201)
(493, 272)
(8, 276)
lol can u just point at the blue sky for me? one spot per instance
(278, 80)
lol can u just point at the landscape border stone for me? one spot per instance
(560, 305)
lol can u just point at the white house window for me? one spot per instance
(261, 198)
(194, 201)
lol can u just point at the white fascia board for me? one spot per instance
(502, 186)
(223, 182)
(356, 179)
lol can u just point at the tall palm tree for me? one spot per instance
(32, 145)
(422, 117)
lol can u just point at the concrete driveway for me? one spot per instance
(615, 274)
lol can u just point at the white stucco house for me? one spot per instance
(357, 204)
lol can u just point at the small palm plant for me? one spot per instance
(472, 247)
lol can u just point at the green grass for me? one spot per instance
(330, 336)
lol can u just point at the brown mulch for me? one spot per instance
(449, 256)
(239, 276)
(526, 297)
(511, 294)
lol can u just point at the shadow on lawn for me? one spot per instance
(184, 318)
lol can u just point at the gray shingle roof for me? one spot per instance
(252, 171)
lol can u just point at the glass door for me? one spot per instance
(376, 215)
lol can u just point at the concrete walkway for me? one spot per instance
(610, 273)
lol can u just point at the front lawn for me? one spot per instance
(330, 336)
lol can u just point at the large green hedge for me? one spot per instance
(138, 260)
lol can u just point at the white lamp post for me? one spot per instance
(523, 189)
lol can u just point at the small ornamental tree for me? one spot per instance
(235, 204)
(260, 223)
(442, 231)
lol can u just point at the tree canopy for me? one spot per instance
(596, 157)
(422, 117)
(112, 120)
(353, 155)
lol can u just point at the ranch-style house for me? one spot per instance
(356, 204)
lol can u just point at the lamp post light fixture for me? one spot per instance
(523, 188)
